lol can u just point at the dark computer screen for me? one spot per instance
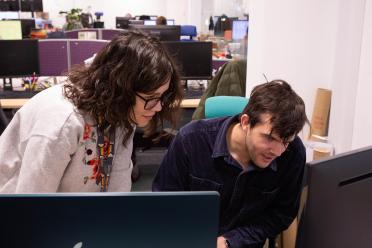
(163, 32)
(239, 29)
(9, 5)
(338, 209)
(122, 22)
(24, 62)
(193, 58)
(31, 5)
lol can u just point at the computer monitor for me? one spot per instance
(32, 5)
(10, 30)
(27, 25)
(239, 29)
(193, 58)
(9, 5)
(96, 220)
(170, 22)
(122, 22)
(136, 22)
(149, 22)
(163, 32)
(23, 62)
(338, 210)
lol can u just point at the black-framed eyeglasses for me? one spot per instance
(150, 103)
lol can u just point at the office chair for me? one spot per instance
(188, 30)
(229, 81)
(219, 106)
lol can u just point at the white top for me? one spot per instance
(50, 147)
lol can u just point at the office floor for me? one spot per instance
(148, 162)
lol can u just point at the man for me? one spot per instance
(254, 160)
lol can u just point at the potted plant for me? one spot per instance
(73, 19)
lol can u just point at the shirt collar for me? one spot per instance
(220, 146)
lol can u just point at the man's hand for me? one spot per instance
(221, 242)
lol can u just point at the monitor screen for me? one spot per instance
(24, 62)
(149, 22)
(10, 30)
(193, 58)
(122, 22)
(170, 22)
(27, 25)
(9, 5)
(31, 5)
(135, 220)
(239, 29)
(136, 22)
(163, 32)
(337, 211)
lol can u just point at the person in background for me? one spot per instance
(161, 20)
(254, 160)
(77, 136)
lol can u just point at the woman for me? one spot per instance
(77, 137)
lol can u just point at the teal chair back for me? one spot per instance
(219, 106)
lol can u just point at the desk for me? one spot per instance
(17, 103)
(12, 103)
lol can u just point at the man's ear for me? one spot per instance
(244, 121)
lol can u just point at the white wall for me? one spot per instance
(362, 134)
(316, 44)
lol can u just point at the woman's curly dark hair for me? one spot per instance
(132, 62)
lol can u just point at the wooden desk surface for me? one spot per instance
(17, 103)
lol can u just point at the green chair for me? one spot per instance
(219, 106)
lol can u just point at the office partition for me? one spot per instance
(81, 50)
(53, 56)
(74, 34)
(109, 34)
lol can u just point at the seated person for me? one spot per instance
(254, 160)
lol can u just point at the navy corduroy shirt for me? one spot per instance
(255, 203)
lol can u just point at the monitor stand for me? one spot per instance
(8, 84)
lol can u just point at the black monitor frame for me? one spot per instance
(32, 5)
(338, 211)
(163, 32)
(9, 5)
(136, 22)
(122, 22)
(194, 58)
(24, 62)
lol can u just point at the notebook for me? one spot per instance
(137, 219)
